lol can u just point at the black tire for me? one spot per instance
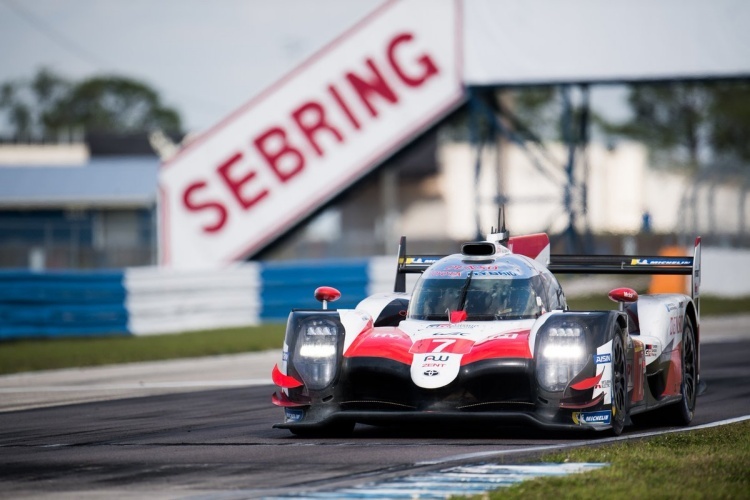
(681, 413)
(619, 384)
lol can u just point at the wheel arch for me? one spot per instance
(622, 322)
(692, 313)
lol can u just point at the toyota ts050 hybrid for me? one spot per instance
(486, 336)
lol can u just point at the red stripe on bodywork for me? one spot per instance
(389, 343)
(587, 383)
(280, 399)
(442, 344)
(530, 245)
(579, 406)
(502, 345)
(674, 376)
(639, 371)
(284, 380)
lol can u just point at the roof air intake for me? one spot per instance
(481, 248)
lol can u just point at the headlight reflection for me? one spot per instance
(562, 357)
(316, 353)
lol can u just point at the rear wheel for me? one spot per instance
(682, 412)
(619, 384)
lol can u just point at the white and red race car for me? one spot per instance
(487, 336)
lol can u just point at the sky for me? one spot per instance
(206, 58)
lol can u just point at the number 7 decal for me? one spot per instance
(452, 346)
(443, 344)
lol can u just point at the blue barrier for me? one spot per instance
(290, 285)
(56, 304)
(88, 303)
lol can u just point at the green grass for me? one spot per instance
(708, 463)
(45, 354)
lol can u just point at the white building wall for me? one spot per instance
(621, 187)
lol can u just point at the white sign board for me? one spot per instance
(305, 139)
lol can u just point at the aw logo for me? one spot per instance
(433, 357)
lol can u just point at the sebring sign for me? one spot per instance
(305, 139)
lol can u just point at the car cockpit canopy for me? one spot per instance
(487, 289)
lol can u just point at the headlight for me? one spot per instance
(316, 352)
(561, 356)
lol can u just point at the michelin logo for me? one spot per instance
(601, 359)
(661, 262)
(293, 415)
(592, 417)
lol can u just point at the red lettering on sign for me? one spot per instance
(344, 107)
(236, 184)
(310, 118)
(191, 205)
(285, 160)
(376, 84)
(317, 122)
(427, 65)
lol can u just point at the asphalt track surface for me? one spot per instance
(219, 443)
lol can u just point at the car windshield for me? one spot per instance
(482, 299)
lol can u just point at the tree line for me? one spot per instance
(48, 105)
(692, 125)
(689, 124)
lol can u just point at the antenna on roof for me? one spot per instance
(500, 234)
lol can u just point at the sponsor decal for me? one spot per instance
(448, 325)
(503, 336)
(650, 350)
(457, 271)
(472, 267)
(285, 356)
(433, 365)
(670, 307)
(449, 274)
(433, 346)
(441, 334)
(604, 384)
(592, 417)
(293, 415)
(601, 359)
(431, 373)
(660, 262)
(486, 270)
(421, 260)
(675, 325)
(433, 357)
(386, 335)
(512, 273)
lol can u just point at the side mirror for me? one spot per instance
(623, 295)
(326, 294)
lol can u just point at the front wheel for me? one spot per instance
(681, 413)
(619, 384)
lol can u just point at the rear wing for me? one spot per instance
(580, 264)
(410, 264)
(633, 264)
